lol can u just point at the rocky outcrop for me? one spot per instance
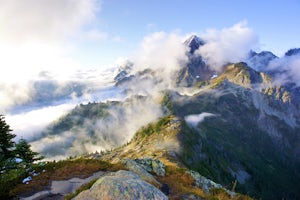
(292, 52)
(153, 166)
(122, 185)
(193, 42)
(260, 61)
(142, 172)
(207, 184)
(203, 182)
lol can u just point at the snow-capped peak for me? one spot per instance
(194, 42)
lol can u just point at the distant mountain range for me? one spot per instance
(241, 123)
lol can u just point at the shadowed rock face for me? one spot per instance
(260, 61)
(292, 52)
(193, 43)
(122, 185)
(196, 69)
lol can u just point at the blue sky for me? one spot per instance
(274, 22)
(64, 34)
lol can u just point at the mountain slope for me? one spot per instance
(237, 124)
(251, 134)
(95, 127)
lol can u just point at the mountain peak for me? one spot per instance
(243, 75)
(194, 42)
(292, 52)
(259, 61)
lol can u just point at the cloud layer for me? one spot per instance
(163, 53)
(116, 128)
(30, 124)
(288, 66)
(22, 21)
(228, 45)
(161, 50)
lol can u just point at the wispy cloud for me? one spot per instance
(34, 44)
(22, 21)
(194, 120)
(116, 128)
(30, 124)
(288, 68)
(97, 35)
(161, 50)
(227, 45)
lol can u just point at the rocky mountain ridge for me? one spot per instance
(236, 125)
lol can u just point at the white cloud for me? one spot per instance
(30, 124)
(33, 35)
(290, 66)
(55, 86)
(113, 130)
(97, 35)
(21, 21)
(194, 120)
(161, 50)
(227, 45)
(14, 94)
(34, 38)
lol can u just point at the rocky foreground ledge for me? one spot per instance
(135, 184)
(144, 178)
(122, 185)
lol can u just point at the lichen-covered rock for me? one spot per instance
(122, 185)
(203, 182)
(152, 165)
(158, 168)
(136, 168)
(146, 163)
(207, 184)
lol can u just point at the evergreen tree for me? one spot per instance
(6, 142)
(24, 152)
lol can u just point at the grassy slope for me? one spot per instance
(159, 140)
(233, 138)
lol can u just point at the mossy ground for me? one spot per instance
(62, 170)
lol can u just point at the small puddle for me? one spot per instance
(61, 188)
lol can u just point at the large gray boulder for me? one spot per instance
(122, 185)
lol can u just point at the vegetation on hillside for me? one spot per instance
(16, 159)
(62, 170)
(236, 141)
